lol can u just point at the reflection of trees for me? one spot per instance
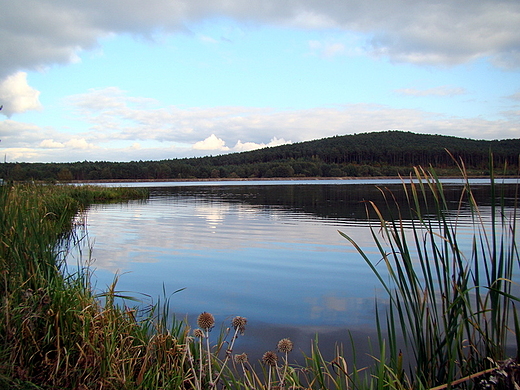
(327, 201)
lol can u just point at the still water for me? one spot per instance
(267, 251)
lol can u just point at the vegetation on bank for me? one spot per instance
(45, 333)
(388, 153)
(454, 307)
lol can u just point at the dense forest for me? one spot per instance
(387, 153)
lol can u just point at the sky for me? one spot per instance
(113, 80)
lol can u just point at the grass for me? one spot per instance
(454, 307)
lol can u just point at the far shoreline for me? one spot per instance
(247, 179)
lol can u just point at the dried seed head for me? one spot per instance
(206, 321)
(45, 300)
(270, 358)
(285, 345)
(241, 359)
(198, 333)
(239, 323)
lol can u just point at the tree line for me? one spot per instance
(387, 153)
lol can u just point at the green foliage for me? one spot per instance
(453, 306)
(386, 153)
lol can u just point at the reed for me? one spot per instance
(452, 305)
(53, 330)
(55, 333)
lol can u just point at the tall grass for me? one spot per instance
(53, 331)
(56, 334)
(453, 305)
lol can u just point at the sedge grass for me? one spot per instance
(452, 305)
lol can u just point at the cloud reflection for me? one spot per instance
(263, 262)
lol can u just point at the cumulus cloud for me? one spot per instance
(17, 96)
(216, 128)
(51, 144)
(173, 132)
(37, 33)
(73, 143)
(247, 146)
(79, 143)
(211, 143)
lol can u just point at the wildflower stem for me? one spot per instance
(229, 351)
(210, 374)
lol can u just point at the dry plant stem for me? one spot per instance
(466, 378)
(281, 375)
(208, 350)
(201, 365)
(286, 366)
(192, 367)
(269, 377)
(229, 351)
(245, 376)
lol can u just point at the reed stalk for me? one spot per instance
(452, 304)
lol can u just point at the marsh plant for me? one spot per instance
(453, 305)
(215, 365)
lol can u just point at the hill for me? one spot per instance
(386, 153)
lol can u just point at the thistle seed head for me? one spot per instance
(241, 359)
(239, 323)
(270, 358)
(206, 321)
(285, 345)
(198, 333)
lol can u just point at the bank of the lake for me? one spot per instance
(57, 333)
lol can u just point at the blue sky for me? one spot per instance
(107, 80)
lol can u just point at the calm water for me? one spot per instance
(270, 252)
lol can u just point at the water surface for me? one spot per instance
(267, 251)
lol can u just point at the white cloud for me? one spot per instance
(247, 146)
(51, 144)
(19, 135)
(17, 96)
(437, 91)
(79, 143)
(127, 118)
(22, 154)
(165, 135)
(38, 33)
(211, 143)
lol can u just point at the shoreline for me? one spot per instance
(314, 178)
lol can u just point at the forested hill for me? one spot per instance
(396, 148)
(385, 153)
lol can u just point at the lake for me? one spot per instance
(267, 251)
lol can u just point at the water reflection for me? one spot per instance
(270, 253)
